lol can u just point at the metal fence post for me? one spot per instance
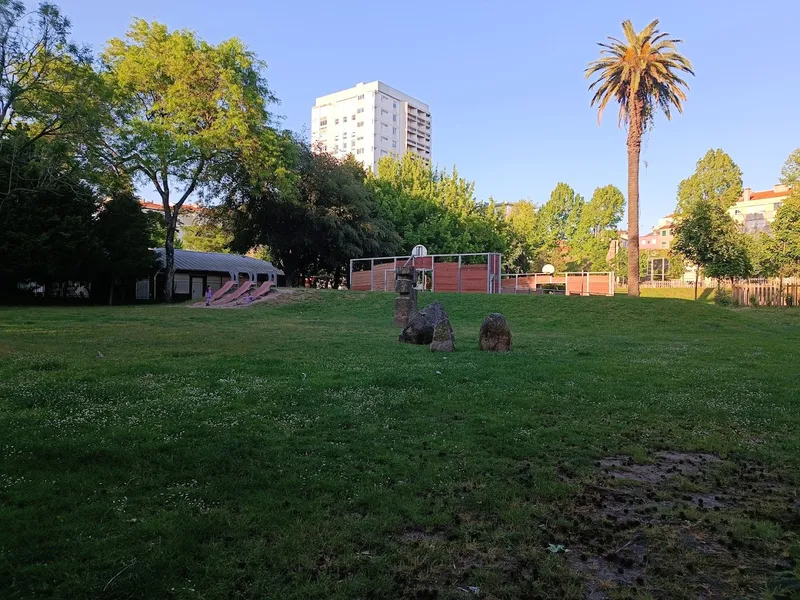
(371, 274)
(459, 273)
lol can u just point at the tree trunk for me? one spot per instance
(111, 291)
(634, 149)
(169, 259)
(696, 277)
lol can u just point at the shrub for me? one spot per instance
(789, 300)
(724, 298)
(753, 300)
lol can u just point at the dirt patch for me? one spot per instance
(422, 536)
(665, 465)
(682, 525)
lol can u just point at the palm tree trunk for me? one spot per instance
(634, 149)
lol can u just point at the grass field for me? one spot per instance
(298, 451)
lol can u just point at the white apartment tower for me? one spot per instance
(369, 121)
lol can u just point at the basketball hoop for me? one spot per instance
(419, 251)
(548, 269)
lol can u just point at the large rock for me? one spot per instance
(435, 313)
(444, 339)
(421, 325)
(495, 334)
(418, 330)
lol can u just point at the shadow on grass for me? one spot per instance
(705, 296)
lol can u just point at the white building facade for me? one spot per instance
(370, 121)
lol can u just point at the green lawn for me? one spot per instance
(298, 451)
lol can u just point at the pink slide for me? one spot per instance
(243, 289)
(218, 294)
(262, 291)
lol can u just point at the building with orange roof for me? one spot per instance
(187, 216)
(755, 211)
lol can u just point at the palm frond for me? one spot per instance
(642, 69)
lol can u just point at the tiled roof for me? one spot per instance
(214, 262)
(769, 194)
(155, 206)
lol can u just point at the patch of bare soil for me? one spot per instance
(684, 525)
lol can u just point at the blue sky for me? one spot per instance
(504, 79)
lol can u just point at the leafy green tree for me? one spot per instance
(206, 236)
(790, 173)
(559, 218)
(46, 232)
(764, 254)
(523, 240)
(642, 74)
(316, 221)
(786, 231)
(706, 236)
(182, 107)
(435, 208)
(48, 90)
(597, 227)
(125, 232)
(717, 178)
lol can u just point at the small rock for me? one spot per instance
(495, 335)
(444, 339)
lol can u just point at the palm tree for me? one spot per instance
(641, 73)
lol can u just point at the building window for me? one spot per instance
(336, 138)
(323, 122)
(383, 152)
(181, 283)
(663, 233)
(344, 146)
(360, 124)
(336, 148)
(359, 111)
(394, 144)
(778, 205)
(663, 244)
(384, 111)
(383, 98)
(361, 96)
(394, 130)
(359, 138)
(384, 139)
(394, 118)
(336, 122)
(344, 119)
(394, 105)
(360, 151)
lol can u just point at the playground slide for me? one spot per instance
(262, 291)
(243, 289)
(219, 293)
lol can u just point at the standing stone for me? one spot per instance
(421, 325)
(418, 331)
(405, 305)
(435, 313)
(495, 334)
(444, 339)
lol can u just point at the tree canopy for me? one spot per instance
(180, 107)
(716, 178)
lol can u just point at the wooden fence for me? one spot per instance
(579, 284)
(766, 294)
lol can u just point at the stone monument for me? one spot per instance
(405, 305)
